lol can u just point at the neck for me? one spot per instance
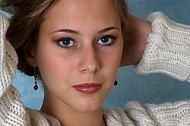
(70, 117)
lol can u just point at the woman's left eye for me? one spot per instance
(106, 40)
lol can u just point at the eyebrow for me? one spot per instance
(76, 32)
(66, 30)
(108, 29)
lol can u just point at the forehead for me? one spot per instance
(83, 9)
(85, 4)
(86, 16)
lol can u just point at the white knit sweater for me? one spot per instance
(167, 51)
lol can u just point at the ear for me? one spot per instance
(30, 54)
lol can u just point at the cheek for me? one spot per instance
(112, 62)
(53, 67)
(117, 55)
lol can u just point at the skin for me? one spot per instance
(136, 41)
(88, 60)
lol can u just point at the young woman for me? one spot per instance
(75, 48)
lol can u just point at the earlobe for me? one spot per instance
(29, 54)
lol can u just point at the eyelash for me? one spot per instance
(66, 39)
(112, 37)
(59, 42)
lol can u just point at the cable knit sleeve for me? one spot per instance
(170, 114)
(168, 48)
(166, 114)
(11, 110)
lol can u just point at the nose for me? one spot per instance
(89, 60)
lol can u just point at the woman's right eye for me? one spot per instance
(65, 42)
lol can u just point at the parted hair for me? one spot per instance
(27, 16)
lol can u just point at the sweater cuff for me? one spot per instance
(8, 57)
(167, 50)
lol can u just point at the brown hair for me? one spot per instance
(24, 26)
(27, 18)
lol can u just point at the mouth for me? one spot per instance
(88, 88)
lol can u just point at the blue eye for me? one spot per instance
(66, 42)
(106, 40)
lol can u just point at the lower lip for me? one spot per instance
(87, 88)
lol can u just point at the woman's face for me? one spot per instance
(79, 52)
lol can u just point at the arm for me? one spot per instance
(166, 114)
(168, 49)
(12, 111)
(136, 41)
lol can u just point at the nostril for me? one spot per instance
(89, 65)
(89, 59)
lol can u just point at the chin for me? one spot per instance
(89, 106)
(87, 109)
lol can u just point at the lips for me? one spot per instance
(87, 88)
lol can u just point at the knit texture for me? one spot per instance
(8, 57)
(168, 48)
(13, 113)
(170, 114)
(135, 114)
(9, 98)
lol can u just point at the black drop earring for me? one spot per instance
(115, 83)
(35, 79)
